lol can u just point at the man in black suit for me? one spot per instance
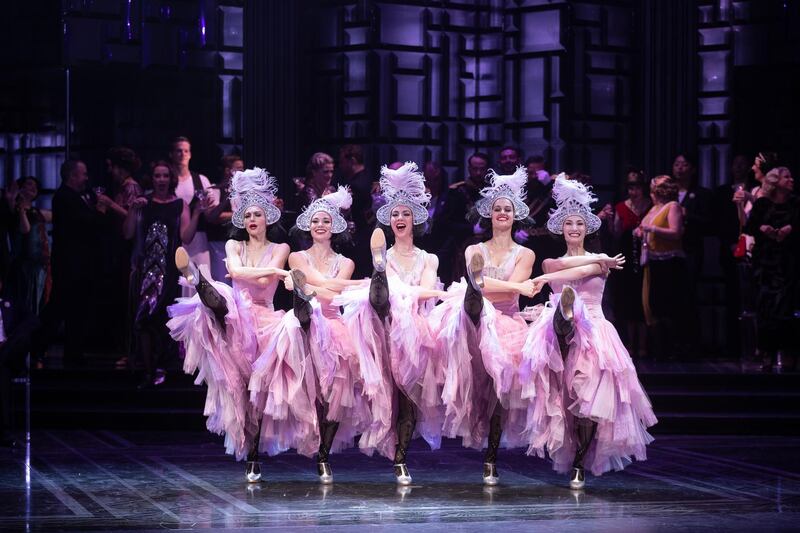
(78, 216)
(17, 324)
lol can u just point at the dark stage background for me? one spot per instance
(590, 85)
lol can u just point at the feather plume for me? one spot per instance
(565, 189)
(516, 182)
(407, 179)
(341, 199)
(255, 179)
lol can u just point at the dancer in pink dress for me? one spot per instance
(388, 322)
(316, 335)
(587, 408)
(480, 331)
(223, 329)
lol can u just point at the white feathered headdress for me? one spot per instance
(404, 186)
(511, 187)
(333, 204)
(572, 198)
(251, 187)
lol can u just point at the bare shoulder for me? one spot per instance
(232, 246)
(432, 261)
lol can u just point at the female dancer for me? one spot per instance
(389, 326)
(225, 328)
(316, 334)
(482, 336)
(587, 407)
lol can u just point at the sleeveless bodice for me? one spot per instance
(660, 247)
(501, 272)
(328, 310)
(260, 295)
(411, 277)
(589, 289)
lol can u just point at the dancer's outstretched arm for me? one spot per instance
(427, 282)
(570, 274)
(316, 280)
(518, 283)
(563, 263)
(238, 271)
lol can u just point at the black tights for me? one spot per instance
(327, 432)
(473, 306)
(379, 294)
(406, 422)
(585, 428)
(212, 299)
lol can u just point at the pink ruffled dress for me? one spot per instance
(480, 364)
(223, 359)
(596, 380)
(293, 374)
(402, 357)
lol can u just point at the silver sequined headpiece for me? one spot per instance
(251, 187)
(511, 187)
(573, 198)
(404, 186)
(333, 204)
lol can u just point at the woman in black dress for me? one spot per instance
(774, 224)
(159, 222)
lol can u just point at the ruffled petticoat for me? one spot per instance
(596, 381)
(223, 360)
(290, 377)
(402, 357)
(480, 368)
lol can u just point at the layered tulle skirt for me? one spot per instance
(480, 368)
(223, 359)
(398, 354)
(596, 380)
(301, 378)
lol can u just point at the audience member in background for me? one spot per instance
(665, 280)
(354, 175)
(159, 223)
(510, 158)
(728, 218)
(318, 181)
(437, 231)
(193, 188)
(461, 199)
(774, 224)
(122, 164)
(540, 201)
(627, 283)
(29, 281)
(17, 325)
(219, 226)
(763, 163)
(77, 224)
(697, 204)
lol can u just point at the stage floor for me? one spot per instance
(125, 480)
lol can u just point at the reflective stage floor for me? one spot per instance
(125, 480)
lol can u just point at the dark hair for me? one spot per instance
(770, 161)
(227, 161)
(68, 167)
(339, 241)
(179, 139)
(473, 217)
(511, 147)
(275, 233)
(481, 155)
(147, 182)
(124, 158)
(667, 190)
(641, 180)
(21, 181)
(352, 151)
(534, 159)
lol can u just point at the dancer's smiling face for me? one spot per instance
(255, 221)
(321, 226)
(402, 221)
(574, 229)
(502, 214)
